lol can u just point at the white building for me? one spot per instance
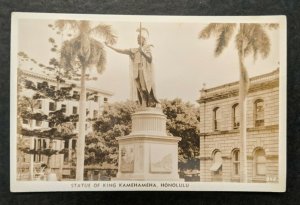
(61, 163)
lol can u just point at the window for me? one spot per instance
(36, 156)
(105, 100)
(38, 123)
(51, 124)
(216, 118)
(52, 106)
(63, 107)
(95, 98)
(28, 83)
(52, 87)
(74, 144)
(236, 162)
(87, 112)
(75, 110)
(66, 143)
(39, 144)
(259, 113)
(76, 95)
(216, 167)
(73, 155)
(66, 154)
(39, 85)
(235, 116)
(260, 163)
(95, 114)
(75, 125)
(39, 104)
(25, 121)
(66, 158)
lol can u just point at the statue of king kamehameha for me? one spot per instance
(141, 70)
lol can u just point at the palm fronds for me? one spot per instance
(68, 54)
(84, 48)
(97, 56)
(252, 38)
(71, 50)
(223, 32)
(66, 24)
(106, 32)
(208, 30)
(272, 25)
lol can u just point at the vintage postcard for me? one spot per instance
(156, 103)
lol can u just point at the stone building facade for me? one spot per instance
(60, 163)
(220, 141)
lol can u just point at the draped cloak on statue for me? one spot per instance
(142, 75)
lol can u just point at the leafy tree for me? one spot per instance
(115, 121)
(251, 38)
(83, 51)
(183, 121)
(60, 126)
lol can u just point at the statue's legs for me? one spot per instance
(141, 94)
(146, 96)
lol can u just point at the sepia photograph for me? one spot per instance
(168, 103)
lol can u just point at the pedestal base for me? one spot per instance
(148, 153)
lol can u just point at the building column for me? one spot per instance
(31, 163)
(70, 151)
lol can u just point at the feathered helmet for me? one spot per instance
(143, 32)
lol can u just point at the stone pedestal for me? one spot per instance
(148, 153)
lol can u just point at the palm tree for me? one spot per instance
(250, 39)
(83, 51)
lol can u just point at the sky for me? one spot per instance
(182, 61)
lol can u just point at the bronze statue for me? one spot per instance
(142, 85)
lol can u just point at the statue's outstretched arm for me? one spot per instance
(122, 51)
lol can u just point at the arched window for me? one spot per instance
(260, 163)
(236, 162)
(216, 118)
(235, 116)
(259, 113)
(216, 167)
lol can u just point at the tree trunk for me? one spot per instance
(49, 157)
(243, 87)
(81, 136)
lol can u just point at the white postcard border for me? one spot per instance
(38, 186)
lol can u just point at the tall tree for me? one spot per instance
(250, 39)
(83, 51)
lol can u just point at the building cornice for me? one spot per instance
(257, 83)
(68, 82)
